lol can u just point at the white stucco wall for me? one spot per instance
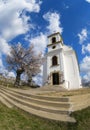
(58, 45)
(49, 60)
(71, 70)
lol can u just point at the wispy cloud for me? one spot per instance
(85, 63)
(65, 6)
(54, 22)
(85, 67)
(86, 49)
(83, 35)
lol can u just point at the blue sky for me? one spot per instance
(31, 21)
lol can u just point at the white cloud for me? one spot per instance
(4, 49)
(85, 63)
(86, 77)
(4, 70)
(85, 67)
(54, 22)
(1, 64)
(10, 74)
(39, 42)
(1, 67)
(86, 49)
(82, 35)
(4, 46)
(38, 79)
(12, 19)
(87, 1)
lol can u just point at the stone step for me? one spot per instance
(53, 88)
(47, 98)
(39, 101)
(40, 113)
(2, 100)
(51, 109)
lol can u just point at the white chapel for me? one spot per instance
(60, 67)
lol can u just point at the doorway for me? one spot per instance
(55, 77)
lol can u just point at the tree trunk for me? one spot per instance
(19, 72)
(17, 82)
(30, 81)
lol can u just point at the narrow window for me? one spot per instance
(54, 60)
(53, 39)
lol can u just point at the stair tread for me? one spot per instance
(38, 105)
(41, 97)
(26, 97)
(43, 114)
(5, 102)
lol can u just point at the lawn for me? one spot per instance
(13, 119)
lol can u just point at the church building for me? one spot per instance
(60, 67)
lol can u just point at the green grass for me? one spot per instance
(13, 119)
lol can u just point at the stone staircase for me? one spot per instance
(54, 108)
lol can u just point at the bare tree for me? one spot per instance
(23, 60)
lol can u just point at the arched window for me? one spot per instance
(54, 60)
(53, 47)
(53, 39)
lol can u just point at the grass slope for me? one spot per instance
(13, 119)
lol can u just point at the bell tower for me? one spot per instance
(54, 42)
(54, 60)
